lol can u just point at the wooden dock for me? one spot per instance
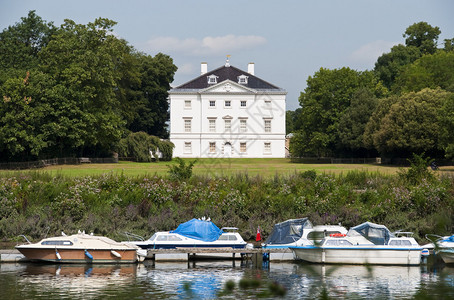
(254, 255)
(185, 254)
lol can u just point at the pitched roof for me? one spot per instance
(228, 73)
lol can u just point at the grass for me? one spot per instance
(212, 167)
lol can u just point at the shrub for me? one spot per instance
(181, 171)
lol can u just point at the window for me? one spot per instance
(212, 79)
(187, 103)
(267, 103)
(187, 147)
(242, 79)
(228, 103)
(162, 238)
(267, 147)
(267, 125)
(232, 237)
(57, 243)
(187, 125)
(337, 243)
(212, 125)
(228, 125)
(174, 238)
(243, 125)
(400, 243)
(212, 147)
(243, 147)
(243, 103)
(212, 103)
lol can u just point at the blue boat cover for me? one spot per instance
(288, 231)
(200, 230)
(377, 234)
(449, 239)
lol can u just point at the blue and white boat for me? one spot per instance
(367, 243)
(195, 233)
(443, 246)
(296, 232)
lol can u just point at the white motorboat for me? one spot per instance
(443, 246)
(296, 232)
(194, 233)
(81, 248)
(367, 243)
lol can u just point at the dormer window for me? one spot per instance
(242, 79)
(212, 79)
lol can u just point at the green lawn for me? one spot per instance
(218, 167)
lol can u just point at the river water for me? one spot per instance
(223, 280)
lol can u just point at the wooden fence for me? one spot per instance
(56, 161)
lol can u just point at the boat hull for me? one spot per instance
(100, 256)
(175, 246)
(360, 255)
(447, 255)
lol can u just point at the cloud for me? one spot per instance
(187, 68)
(206, 46)
(368, 53)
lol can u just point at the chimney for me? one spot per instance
(203, 68)
(250, 68)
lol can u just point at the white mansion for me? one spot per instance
(227, 112)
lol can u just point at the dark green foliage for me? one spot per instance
(111, 204)
(75, 90)
(418, 171)
(181, 171)
(145, 148)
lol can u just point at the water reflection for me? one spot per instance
(206, 280)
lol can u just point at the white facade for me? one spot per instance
(226, 116)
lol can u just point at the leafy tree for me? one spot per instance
(292, 120)
(145, 148)
(151, 106)
(429, 71)
(449, 44)
(423, 36)
(447, 126)
(390, 64)
(21, 43)
(353, 122)
(327, 95)
(374, 123)
(412, 124)
(81, 59)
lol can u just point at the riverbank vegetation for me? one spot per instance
(36, 204)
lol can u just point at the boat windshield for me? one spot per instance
(152, 237)
(377, 234)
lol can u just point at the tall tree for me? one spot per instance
(390, 64)
(151, 106)
(327, 95)
(430, 71)
(422, 36)
(21, 43)
(412, 124)
(353, 122)
(82, 61)
(447, 127)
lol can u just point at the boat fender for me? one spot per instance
(87, 254)
(115, 253)
(337, 235)
(57, 254)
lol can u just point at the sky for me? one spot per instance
(287, 40)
